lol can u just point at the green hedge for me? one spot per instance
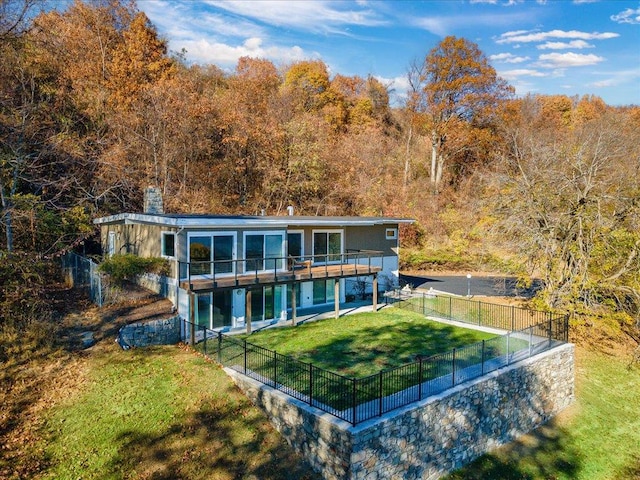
(128, 266)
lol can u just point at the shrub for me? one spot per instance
(128, 266)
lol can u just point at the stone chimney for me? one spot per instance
(153, 201)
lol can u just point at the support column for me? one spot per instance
(192, 318)
(247, 309)
(294, 313)
(336, 296)
(375, 292)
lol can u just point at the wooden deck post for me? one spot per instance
(247, 309)
(336, 296)
(192, 318)
(375, 292)
(294, 313)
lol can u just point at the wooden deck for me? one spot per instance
(300, 274)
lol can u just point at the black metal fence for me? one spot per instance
(502, 317)
(358, 399)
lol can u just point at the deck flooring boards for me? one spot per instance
(301, 274)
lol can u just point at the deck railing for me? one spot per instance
(272, 269)
(358, 399)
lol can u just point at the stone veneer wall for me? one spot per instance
(154, 332)
(430, 438)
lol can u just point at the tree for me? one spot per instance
(459, 88)
(568, 200)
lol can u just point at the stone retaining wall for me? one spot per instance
(155, 332)
(430, 438)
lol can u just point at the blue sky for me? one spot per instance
(548, 46)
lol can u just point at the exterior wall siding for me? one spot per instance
(431, 438)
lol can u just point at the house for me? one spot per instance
(230, 272)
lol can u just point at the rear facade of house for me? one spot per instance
(227, 271)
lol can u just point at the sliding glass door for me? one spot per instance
(211, 253)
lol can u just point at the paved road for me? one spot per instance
(459, 285)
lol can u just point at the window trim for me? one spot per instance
(163, 235)
(394, 233)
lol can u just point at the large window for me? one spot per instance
(327, 246)
(323, 291)
(295, 245)
(211, 253)
(214, 310)
(266, 304)
(263, 251)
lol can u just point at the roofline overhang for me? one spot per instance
(244, 221)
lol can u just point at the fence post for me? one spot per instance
(482, 360)
(354, 400)
(420, 378)
(479, 311)
(450, 314)
(453, 368)
(513, 317)
(311, 384)
(508, 337)
(550, 328)
(380, 392)
(423, 312)
(204, 338)
(275, 369)
(245, 357)
(220, 348)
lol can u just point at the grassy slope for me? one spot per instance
(163, 413)
(597, 438)
(363, 344)
(167, 413)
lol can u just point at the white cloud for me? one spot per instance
(521, 72)
(507, 58)
(627, 16)
(204, 51)
(564, 45)
(312, 15)
(525, 37)
(569, 59)
(435, 25)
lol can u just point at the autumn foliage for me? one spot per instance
(94, 108)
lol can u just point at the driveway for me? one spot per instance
(491, 286)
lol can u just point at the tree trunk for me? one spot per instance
(434, 159)
(6, 208)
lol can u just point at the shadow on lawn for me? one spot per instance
(547, 453)
(224, 439)
(380, 347)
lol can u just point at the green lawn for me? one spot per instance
(365, 343)
(162, 413)
(167, 413)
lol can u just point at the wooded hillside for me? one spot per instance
(93, 108)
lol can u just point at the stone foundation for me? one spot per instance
(430, 438)
(155, 332)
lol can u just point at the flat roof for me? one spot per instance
(230, 221)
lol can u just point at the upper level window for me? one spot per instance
(327, 245)
(263, 251)
(168, 244)
(294, 244)
(211, 253)
(391, 233)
